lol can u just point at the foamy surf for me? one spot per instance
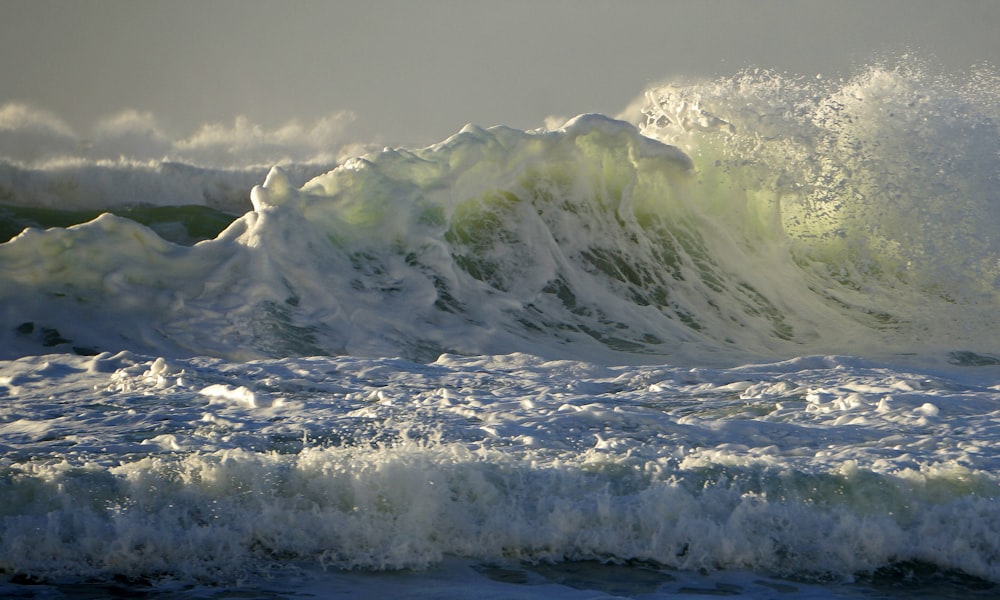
(817, 466)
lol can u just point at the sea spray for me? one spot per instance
(884, 180)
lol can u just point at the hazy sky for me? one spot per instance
(415, 71)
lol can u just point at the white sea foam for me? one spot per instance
(822, 466)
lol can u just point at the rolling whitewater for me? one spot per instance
(738, 339)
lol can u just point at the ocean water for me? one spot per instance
(738, 340)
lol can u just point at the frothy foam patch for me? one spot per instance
(165, 467)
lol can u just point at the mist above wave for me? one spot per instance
(36, 138)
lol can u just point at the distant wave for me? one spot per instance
(107, 185)
(36, 138)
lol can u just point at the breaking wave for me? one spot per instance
(758, 215)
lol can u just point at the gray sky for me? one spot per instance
(415, 71)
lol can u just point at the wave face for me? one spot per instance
(773, 217)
